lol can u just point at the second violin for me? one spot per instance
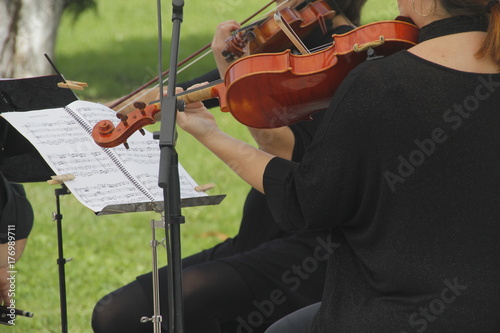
(266, 35)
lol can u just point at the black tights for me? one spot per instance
(215, 296)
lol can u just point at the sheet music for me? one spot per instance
(103, 176)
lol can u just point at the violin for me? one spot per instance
(266, 36)
(272, 90)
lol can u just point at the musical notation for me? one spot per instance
(103, 176)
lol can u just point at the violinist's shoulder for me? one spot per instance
(373, 71)
(386, 63)
(371, 79)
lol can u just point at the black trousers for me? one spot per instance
(215, 299)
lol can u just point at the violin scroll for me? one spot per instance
(107, 135)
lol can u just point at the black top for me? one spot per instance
(19, 160)
(256, 213)
(16, 213)
(257, 224)
(405, 172)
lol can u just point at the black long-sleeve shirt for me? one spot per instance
(405, 171)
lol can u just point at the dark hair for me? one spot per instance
(491, 44)
(350, 8)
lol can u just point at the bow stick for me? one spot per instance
(181, 63)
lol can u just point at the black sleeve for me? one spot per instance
(303, 133)
(323, 190)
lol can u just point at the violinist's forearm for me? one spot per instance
(245, 160)
(275, 141)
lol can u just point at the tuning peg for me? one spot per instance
(123, 118)
(141, 106)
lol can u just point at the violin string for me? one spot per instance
(320, 47)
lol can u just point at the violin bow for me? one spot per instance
(181, 63)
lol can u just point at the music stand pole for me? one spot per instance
(169, 174)
(156, 319)
(61, 261)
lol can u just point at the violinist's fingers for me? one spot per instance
(195, 105)
(223, 31)
(228, 26)
(218, 45)
(196, 120)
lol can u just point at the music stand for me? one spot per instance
(155, 205)
(20, 161)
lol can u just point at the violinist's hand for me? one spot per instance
(247, 161)
(196, 119)
(223, 31)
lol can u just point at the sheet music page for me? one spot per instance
(62, 137)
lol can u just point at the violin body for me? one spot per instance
(267, 36)
(272, 90)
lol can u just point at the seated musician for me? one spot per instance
(16, 221)
(263, 273)
(404, 172)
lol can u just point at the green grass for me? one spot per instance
(115, 50)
